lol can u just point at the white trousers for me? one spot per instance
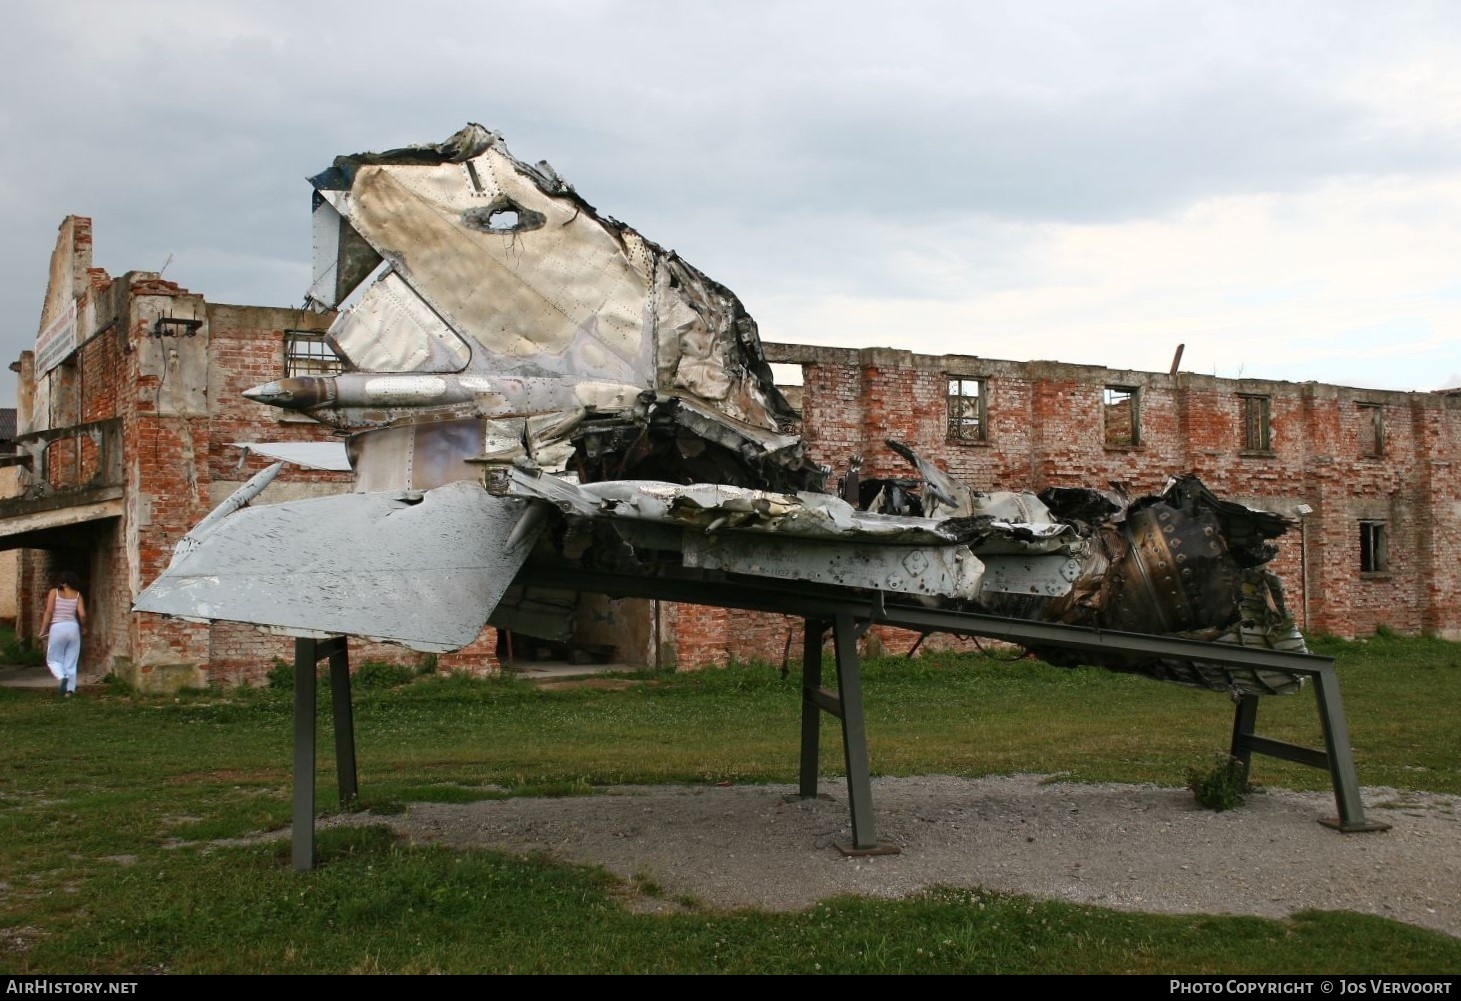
(63, 650)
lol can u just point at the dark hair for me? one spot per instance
(69, 579)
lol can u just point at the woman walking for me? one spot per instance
(65, 615)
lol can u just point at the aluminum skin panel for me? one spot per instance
(945, 571)
(421, 569)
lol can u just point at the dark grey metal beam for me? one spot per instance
(1286, 751)
(307, 655)
(1337, 758)
(338, 650)
(822, 603)
(814, 702)
(854, 740)
(1245, 719)
(848, 612)
(1340, 755)
(303, 830)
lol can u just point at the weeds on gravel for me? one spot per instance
(1222, 785)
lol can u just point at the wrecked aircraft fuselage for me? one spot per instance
(529, 380)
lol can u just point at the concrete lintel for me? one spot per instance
(62, 517)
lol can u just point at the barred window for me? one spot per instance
(307, 353)
(967, 415)
(1121, 410)
(1257, 436)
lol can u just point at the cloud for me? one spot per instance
(1348, 278)
(1275, 178)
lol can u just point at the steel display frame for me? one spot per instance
(847, 614)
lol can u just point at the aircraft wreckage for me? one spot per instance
(538, 398)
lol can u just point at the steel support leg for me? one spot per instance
(1245, 720)
(339, 653)
(814, 629)
(854, 736)
(1341, 757)
(1337, 757)
(303, 831)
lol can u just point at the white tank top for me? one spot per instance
(65, 609)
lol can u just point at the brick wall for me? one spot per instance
(1046, 426)
(176, 395)
(696, 636)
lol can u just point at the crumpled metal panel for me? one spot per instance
(516, 263)
(507, 295)
(424, 570)
(1180, 563)
(519, 333)
(711, 507)
(957, 500)
(392, 329)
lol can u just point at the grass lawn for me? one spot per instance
(117, 814)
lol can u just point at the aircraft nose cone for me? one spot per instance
(272, 393)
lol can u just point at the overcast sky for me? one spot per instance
(1276, 185)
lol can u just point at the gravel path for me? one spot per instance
(1136, 847)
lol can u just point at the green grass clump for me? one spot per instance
(377, 674)
(16, 651)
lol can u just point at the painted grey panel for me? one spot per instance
(309, 454)
(1049, 576)
(421, 569)
(342, 259)
(949, 571)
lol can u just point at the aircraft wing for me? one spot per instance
(423, 569)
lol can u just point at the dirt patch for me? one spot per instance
(1135, 847)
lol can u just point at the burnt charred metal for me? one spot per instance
(539, 397)
(507, 333)
(1180, 563)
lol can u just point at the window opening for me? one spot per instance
(967, 410)
(1374, 555)
(1257, 436)
(1122, 415)
(1372, 430)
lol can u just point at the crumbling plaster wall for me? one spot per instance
(165, 421)
(177, 397)
(83, 390)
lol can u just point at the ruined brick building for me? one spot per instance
(129, 411)
(130, 408)
(1372, 477)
